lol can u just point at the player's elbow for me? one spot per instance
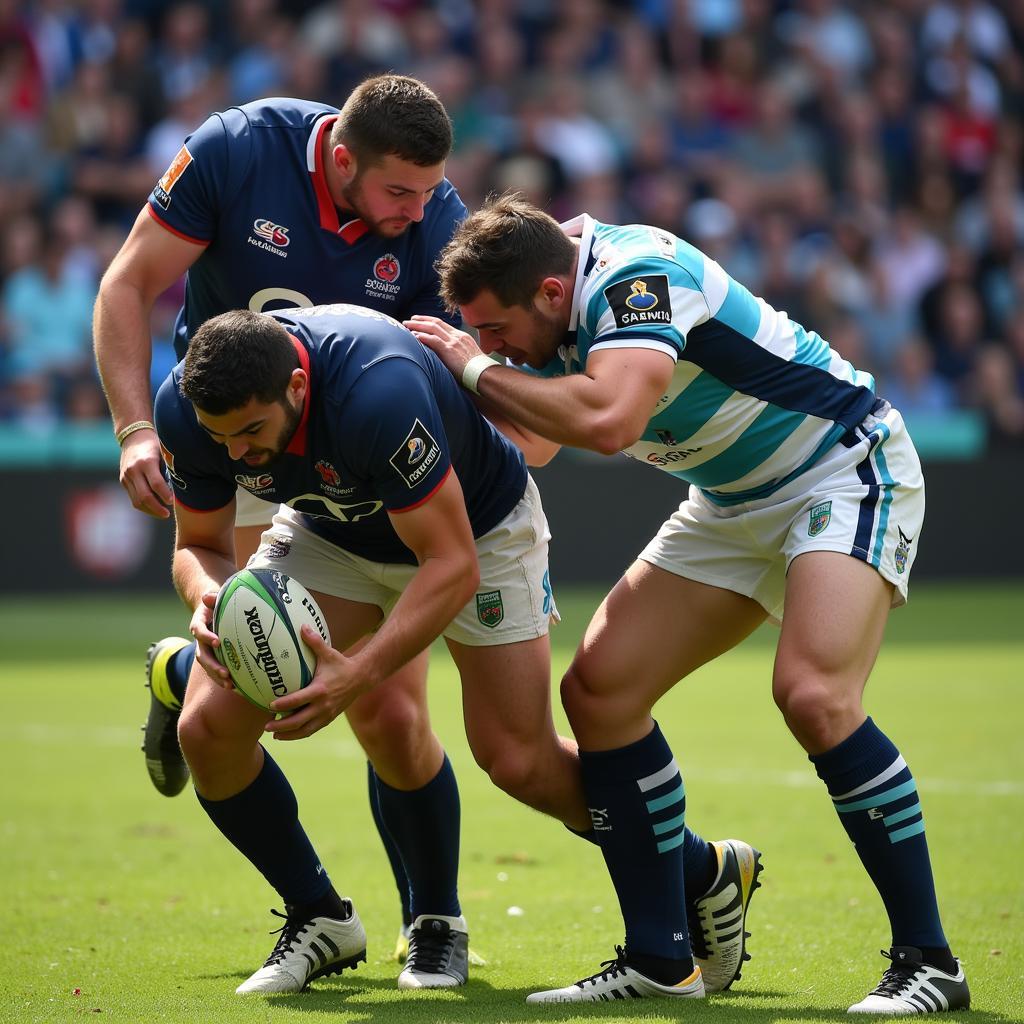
(609, 434)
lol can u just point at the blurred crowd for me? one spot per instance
(857, 164)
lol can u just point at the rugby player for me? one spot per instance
(279, 203)
(804, 491)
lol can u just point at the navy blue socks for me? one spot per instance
(283, 853)
(876, 799)
(394, 857)
(638, 805)
(424, 826)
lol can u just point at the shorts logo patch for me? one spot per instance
(902, 551)
(643, 300)
(821, 516)
(417, 456)
(162, 192)
(276, 548)
(489, 609)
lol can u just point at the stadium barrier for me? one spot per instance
(76, 531)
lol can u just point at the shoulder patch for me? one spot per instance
(640, 300)
(417, 456)
(162, 192)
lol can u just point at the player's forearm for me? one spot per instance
(435, 595)
(575, 410)
(197, 570)
(123, 348)
(537, 450)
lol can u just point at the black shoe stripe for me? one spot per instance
(309, 960)
(734, 906)
(320, 954)
(728, 936)
(633, 992)
(918, 999)
(617, 993)
(326, 940)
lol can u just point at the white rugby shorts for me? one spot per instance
(864, 498)
(513, 601)
(253, 511)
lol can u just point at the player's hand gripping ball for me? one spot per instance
(257, 617)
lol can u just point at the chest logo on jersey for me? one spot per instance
(386, 271)
(417, 456)
(255, 484)
(270, 237)
(643, 300)
(162, 192)
(330, 479)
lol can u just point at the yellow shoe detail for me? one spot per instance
(162, 652)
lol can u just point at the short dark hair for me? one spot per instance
(507, 247)
(394, 115)
(236, 357)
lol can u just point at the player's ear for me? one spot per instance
(344, 160)
(297, 384)
(552, 293)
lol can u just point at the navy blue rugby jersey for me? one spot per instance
(249, 185)
(383, 425)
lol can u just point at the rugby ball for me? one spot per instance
(257, 617)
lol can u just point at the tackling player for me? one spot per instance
(279, 203)
(804, 491)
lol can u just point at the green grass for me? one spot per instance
(124, 906)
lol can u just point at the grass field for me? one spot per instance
(126, 906)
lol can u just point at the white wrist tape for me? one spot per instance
(472, 371)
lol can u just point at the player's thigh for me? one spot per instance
(836, 609)
(654, 628)
(506, 696)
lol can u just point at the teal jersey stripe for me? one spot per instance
(669, 826)
(692, 261)
(670, 844)
(765, 436)
(725, 500)
(887, 797)
(887, 486)
(667, 800)
(905, 833)
(811, 348)
(740, 310)
(907, 812)
(692, 409)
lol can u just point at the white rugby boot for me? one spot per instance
(618, 980)
(718, 919)
(309, 949)
(438, 953)
(911, 986)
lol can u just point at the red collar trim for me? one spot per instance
(297, 445)
(352, 230)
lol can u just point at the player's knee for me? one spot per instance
(587, 703)
(513, 768)
(818, 714)
(208, 744)
(399, 722)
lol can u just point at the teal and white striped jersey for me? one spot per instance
(754, 400)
